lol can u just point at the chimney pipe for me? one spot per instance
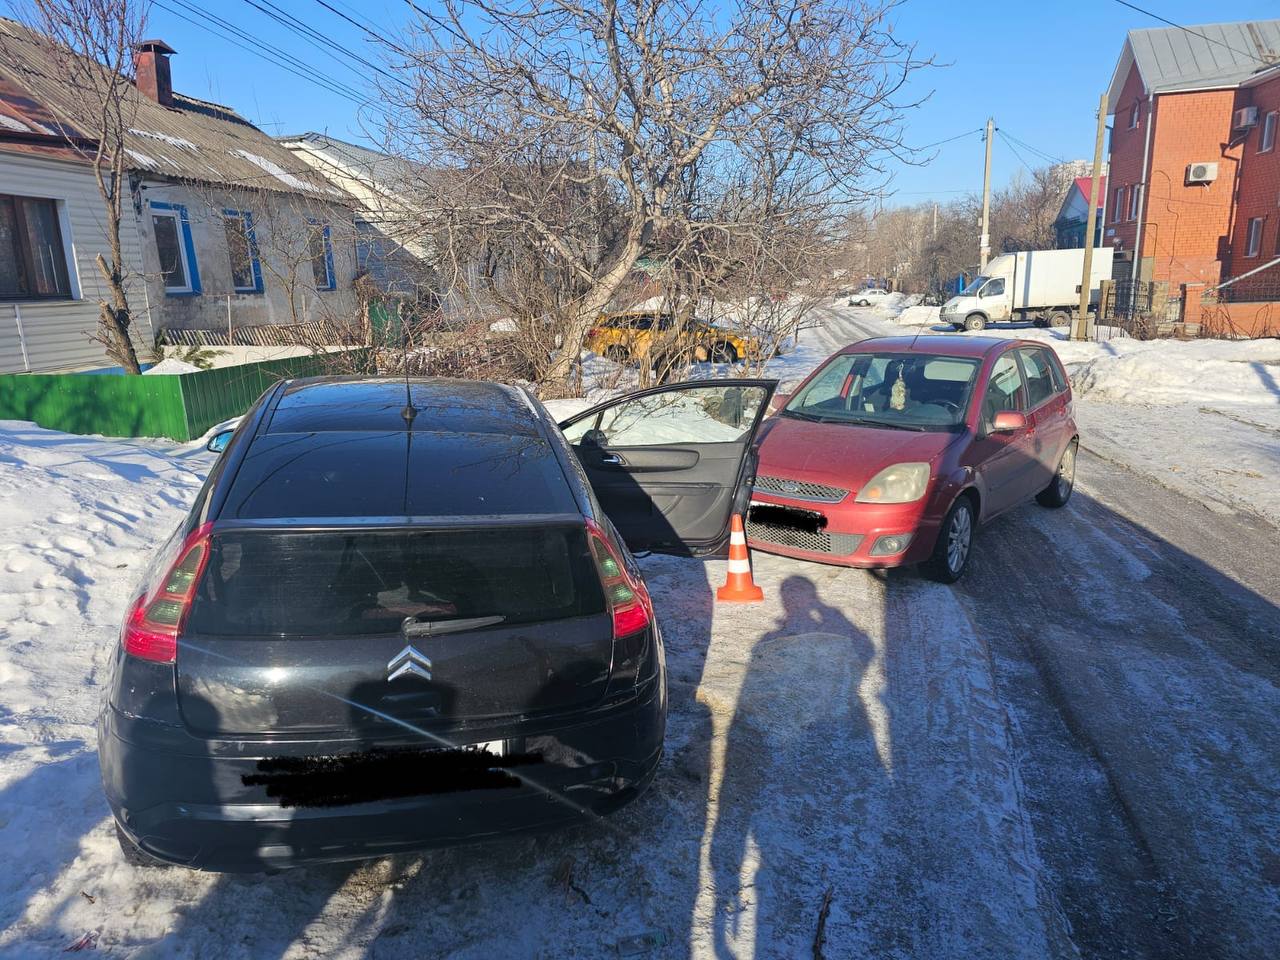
(151, 65)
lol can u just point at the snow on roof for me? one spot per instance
(164, 138)
(193, 139)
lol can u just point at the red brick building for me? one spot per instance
(1194, 181)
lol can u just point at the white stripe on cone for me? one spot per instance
(738, 538)
(739, 566)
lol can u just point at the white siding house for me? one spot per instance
(53, 332)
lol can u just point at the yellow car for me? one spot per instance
(631, 335)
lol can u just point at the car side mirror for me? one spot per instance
(219, 441)
(779, 401)
(1008, 421)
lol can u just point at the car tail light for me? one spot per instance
(628, 599)
(596, 332)
(157, 617)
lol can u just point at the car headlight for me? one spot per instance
(900, 483)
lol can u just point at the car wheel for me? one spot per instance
(134, 855)
(975, 321)
(616, 354)
(955, 543)
(1058, 492)
(724, 353)
(864, 303)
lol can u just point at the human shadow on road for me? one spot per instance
(798, 725)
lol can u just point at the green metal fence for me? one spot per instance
(177, 406)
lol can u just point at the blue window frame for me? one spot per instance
(172, 232)
(242, 249)
(321, 247)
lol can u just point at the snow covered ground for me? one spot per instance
(846, 735)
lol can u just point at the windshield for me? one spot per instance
(974, 286)
(911, 391)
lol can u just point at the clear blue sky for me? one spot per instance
(1037, 66)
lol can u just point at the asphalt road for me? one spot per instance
(1135, 640)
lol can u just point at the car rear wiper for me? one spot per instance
(413, 627)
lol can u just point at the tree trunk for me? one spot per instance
(115, 321)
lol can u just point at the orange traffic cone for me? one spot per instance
(739, 587)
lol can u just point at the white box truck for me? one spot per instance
(1037, 286)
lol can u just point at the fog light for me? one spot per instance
(888, 546)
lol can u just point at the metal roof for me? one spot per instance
(192, 140)
(367, 164)
(1199, 57)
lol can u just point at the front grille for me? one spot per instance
(800, 489)
(836, 544)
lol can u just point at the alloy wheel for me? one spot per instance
(959, 538)
(1066, 476)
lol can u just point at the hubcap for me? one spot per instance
(958, 536)
(1067, 472)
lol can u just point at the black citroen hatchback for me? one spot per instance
(404, 613)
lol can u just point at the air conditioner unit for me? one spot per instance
(1202, 172)
(1245, 118)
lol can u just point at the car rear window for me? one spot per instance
(357, 582)
(401, 474)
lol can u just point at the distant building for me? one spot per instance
(1073, 217)
(1193, 158)
(391, 245)
(222, 226)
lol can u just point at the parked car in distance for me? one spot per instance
(628, 336)
(867, 297)
(403, 614)
(894, 450)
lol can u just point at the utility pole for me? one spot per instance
(935, 222)
(984, 243)
(1080, 329)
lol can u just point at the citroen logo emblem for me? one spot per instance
(408, 660)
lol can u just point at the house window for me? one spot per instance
(1253, 244)
(1117, 214)
(1268, 132)
(1133, 203)
(33, 261)
(177, 253)
(242, 248)
(322, 256)
(1133, 114)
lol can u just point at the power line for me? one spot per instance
(368, 27)
(958, 136)
(316, 39)
(1208, 39)
(274, 55)
(1033, 149)
(1026, 166)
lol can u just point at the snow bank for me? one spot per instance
(172, 365)
(1167, 372)
(918, 315)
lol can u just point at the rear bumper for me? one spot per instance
(852, 530)
(191, 807)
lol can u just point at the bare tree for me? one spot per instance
(92, 46)
(592, 133)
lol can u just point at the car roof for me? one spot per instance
(348, 447)
(946, 345)
(326, 404)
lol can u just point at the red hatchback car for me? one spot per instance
(895, 449)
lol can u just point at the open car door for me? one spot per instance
(670, 465)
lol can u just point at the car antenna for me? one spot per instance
(409, 411)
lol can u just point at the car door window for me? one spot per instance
(1004, 390)
(711, 414)
(1038, 374)
(994, 288)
